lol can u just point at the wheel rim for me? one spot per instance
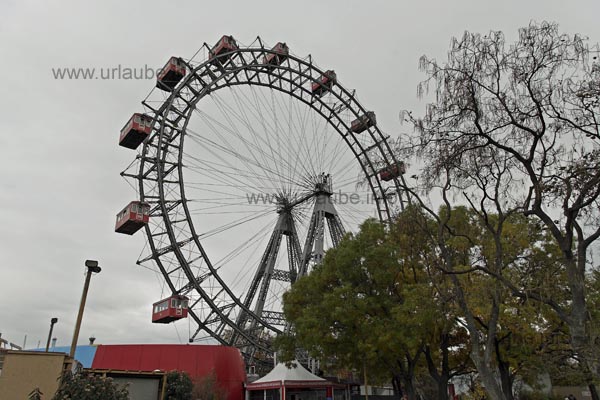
(176, 244)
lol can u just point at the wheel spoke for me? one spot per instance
(237, 149)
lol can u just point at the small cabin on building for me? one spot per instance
(170, 75)
(324, 83)
(135, 131)
(133, 217)
(170, 309)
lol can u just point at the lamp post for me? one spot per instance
(52, 322)
(92, 267)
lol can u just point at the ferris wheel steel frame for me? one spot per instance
(161, 183)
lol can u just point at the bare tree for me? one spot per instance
(514, 128)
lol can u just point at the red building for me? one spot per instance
(197, 360)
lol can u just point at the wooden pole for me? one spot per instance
(92, 266)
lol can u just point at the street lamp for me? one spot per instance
(52, 322)
(92, 267)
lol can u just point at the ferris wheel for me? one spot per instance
(251, 162)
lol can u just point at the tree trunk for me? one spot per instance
(407, 375)
(478, 354)
(397, 385)
(442, 388)
(409, 389)
(492, 388)
(506, 380)
(593, 391)
(578, 315)
(441, 378)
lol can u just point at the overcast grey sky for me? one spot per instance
(59, 161)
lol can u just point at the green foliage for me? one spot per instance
(337, 310)
(387, 294)
(179, 386)
(89, 386)
(373, 303)
(475, 392)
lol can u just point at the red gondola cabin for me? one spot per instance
(324, 83)
(280, 53)
(135, 131)
(224, 45)
(170, 75)
(364, 122)
(133, 217)
(170, 309)
(393, 171)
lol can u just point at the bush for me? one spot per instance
(207, 388)
(179, 386)
(88, 386)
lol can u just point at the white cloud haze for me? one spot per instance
(59, 160)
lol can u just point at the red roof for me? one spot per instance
(196, 360)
